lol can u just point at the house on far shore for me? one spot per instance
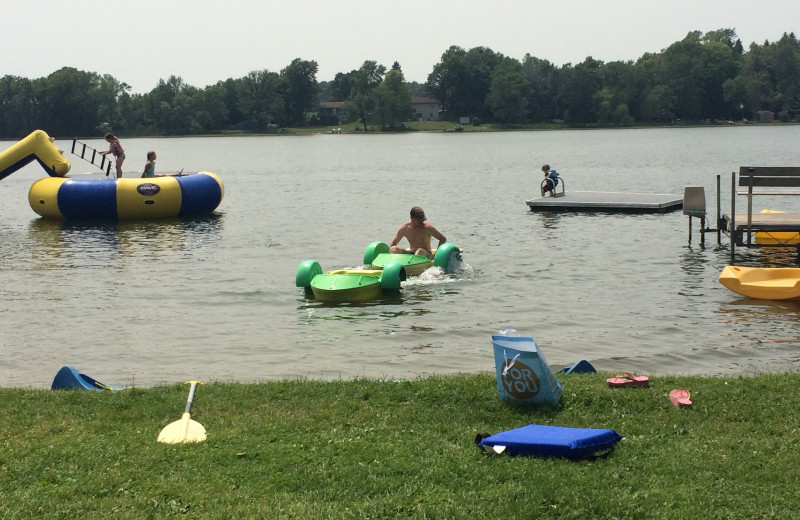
(425, 109)
(332, 112)
(765, 116)
(335, 112)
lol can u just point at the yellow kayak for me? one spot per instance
(762, 283)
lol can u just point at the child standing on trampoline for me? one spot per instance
(115, 148)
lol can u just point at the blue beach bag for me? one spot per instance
(522, 371)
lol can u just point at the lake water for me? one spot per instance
(214, 298)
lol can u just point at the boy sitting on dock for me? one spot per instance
(552, 179)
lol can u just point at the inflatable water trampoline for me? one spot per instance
(57, 196)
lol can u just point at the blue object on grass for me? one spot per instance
(69, 378)
(579, 367)
(554, 441)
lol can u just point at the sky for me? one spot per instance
(204, 41)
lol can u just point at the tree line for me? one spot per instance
(703, 77)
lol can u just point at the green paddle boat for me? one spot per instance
(349, 285)
(447, 256)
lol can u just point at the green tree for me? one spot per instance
(341, 86)
(461, 81)
(603, 106)
(448, 79)
(113, 98)
(620, 80)
(261, 98)
(17, 107)
(480, 63)
(659, 104)
(697, 67)
(418, 89)
(654, 100)
(68, 102)
(507, 96)
(361, 103)
(392, 100)
(544, 84)
(722, 60)
(577, 92)
(168, 107)
(232, 88)
(302, 90)
(786, 59)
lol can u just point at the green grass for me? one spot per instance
(383, 449)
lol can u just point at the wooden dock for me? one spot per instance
(761, 222)
(608, 202)
(750, 229)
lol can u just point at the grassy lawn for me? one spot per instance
(404, 449)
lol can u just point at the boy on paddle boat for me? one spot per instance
(418, 232)
(419, 256)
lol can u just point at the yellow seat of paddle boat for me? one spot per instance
(778, 238)
(762, 283)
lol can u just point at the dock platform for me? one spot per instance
(768, 228)
(608, 202)
(765, 222)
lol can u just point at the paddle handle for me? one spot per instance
(191, 395)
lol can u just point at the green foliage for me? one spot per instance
(302, 90)
(386, 449)
(701, 78)
(392, 102)
(507, 96)
(261, 99)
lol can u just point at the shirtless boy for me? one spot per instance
(418, 232)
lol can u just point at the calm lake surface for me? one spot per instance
(214, 298)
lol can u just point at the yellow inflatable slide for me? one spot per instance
(38, 145)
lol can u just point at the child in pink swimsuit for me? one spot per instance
(115, 148)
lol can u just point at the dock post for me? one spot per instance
(733, 217)
(719, 214)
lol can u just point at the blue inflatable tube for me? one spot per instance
(122, 199)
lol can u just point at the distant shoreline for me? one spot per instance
(437, 127)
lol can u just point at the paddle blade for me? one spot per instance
(184, 430)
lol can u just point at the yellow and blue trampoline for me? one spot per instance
(102, 199)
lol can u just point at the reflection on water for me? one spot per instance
(547, 219)
(69, 244)
(747, 319)
(775, 257)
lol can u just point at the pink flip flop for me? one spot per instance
(639, 380)
(680, 398)
(628, 379)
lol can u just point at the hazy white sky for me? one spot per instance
(205, 41)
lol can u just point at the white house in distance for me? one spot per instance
(425, 109)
